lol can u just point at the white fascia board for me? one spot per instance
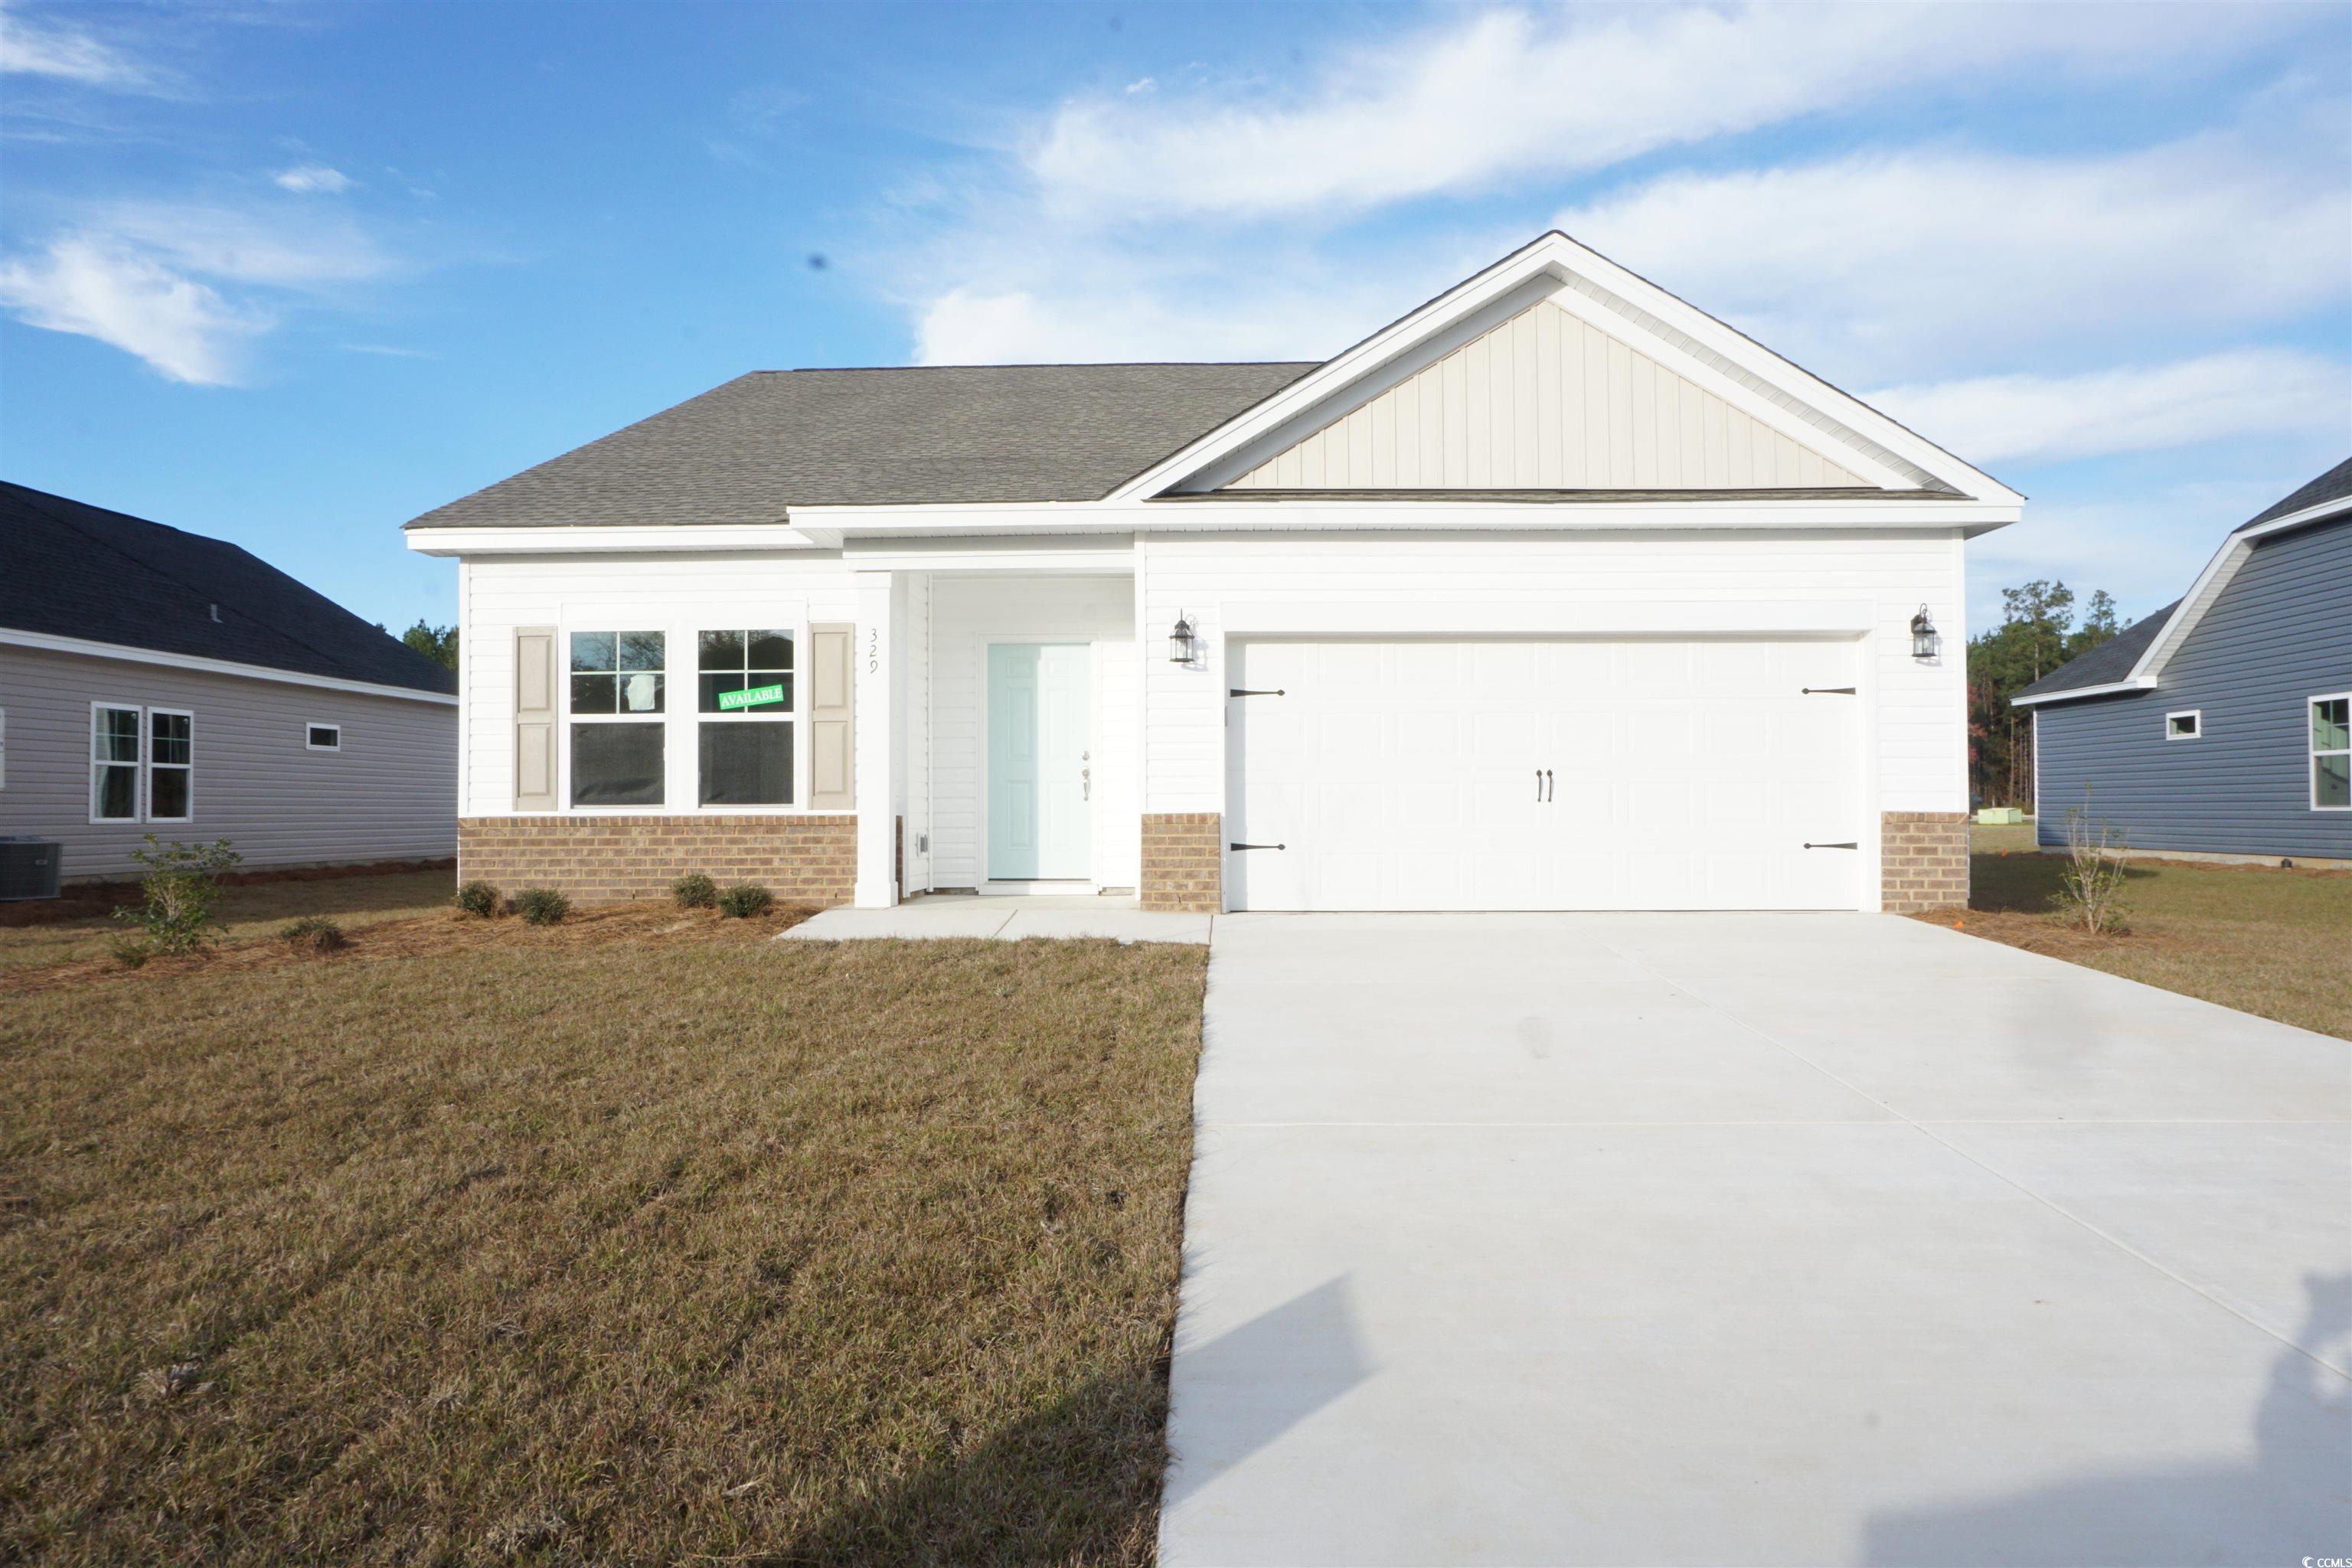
(1561, 256)
(49, 643)
(2216, 576)
(1547, 617)
(1469, 515)
(1027, 553)
(2106, 688)
(573, 539)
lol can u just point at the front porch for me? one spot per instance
(1011, 917)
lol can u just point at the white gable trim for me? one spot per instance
(1659, 319)
(2218, 575)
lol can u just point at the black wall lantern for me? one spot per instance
(1924, 640)
(1180, 642)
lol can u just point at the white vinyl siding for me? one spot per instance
(388, 794)
(1545, 402)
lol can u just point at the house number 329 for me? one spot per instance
(873, 651)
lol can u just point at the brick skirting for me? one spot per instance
(801, 859)
(1923, 860)
(1183, 863)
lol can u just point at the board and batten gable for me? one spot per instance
(1543, 401)
(2279, 634)
(385, 793)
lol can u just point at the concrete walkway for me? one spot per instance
(1006, 917)
(1751, 1239)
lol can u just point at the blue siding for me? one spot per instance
(2280, 634)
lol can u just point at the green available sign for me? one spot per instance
(749, 696)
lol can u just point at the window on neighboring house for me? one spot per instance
(2331, 752)
(743, 691)
(113, 763)
(2186, 726)
(617, 688)
(170, 764)
(322, 737)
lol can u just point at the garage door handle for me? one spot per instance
(1832, 846)
(1237, 691)
(1257, 845)
(1825, 690)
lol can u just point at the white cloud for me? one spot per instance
(1877, 261)
(1471, 103)
(2048, 418)
(311, 178)
(184, 288)
(100, 289)
(47, 48)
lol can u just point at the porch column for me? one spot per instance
(877, 749)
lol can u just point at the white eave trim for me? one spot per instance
(1470, 514)
(568, 538)
(1557, 254)
(51, 643)
(2106, 688)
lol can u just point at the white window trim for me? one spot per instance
(789, 713)
(2196, 730)
(2312, 753)
(309, 745)
(615, 627)
(147, 747)
(138, 765)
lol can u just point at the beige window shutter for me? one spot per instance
(832, 729)
(534, 720)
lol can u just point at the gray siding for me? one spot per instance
(2278, 634)
(390, 794)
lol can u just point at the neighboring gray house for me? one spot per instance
(2219, 725)
(156, 681)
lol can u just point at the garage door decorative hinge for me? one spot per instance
(1825, 690)
(1238, 692)
(1832, 846)
(1257, 845)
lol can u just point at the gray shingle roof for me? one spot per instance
(2111, 661)
(77, 570)
(2334, 485)
(747, 451)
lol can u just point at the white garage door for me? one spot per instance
(1544, 775)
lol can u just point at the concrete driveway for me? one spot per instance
(1751, 1239)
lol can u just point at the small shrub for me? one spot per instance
(176, 895)
(129, 952)
(541, 906)
(2091, 881)
(694, 892)
(479, 900)
(745, 899)
(314, 934)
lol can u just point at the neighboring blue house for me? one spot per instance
(2222, 723)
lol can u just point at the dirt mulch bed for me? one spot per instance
(95, 900)
(2045, 934)
(425, 936)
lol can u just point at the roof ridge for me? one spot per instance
(1038, 364)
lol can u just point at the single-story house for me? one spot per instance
(2221, 725)
(157, 681)
(1556, 592)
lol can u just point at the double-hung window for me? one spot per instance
(743, 691)
(170, 764)
(114, 762)
(143, 763)
(617, 688)
(2331, 752)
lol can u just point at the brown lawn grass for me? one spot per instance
(251, 910)
(591, 1243)
(2273, 943)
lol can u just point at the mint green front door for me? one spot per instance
(1040, 762)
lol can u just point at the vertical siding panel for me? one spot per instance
(1383, 412)
(1360, 448)
(1643, 436)
(1477, 428)
(1526, 438)
(1432, 430)
(1620, 429)
(1718, 443)
(1739, 449)
(1670, 431)
(1457, 402)
(1596, 410)
(1546, 396)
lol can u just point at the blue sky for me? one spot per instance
(291, 275)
